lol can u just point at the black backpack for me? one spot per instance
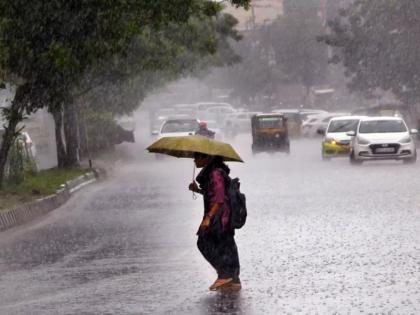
(237, 201)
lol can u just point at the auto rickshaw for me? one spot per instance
(269, 133)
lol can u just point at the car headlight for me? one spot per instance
(406, 139)
(330, 140)
(362, 141)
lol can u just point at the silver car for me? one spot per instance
(382, 138)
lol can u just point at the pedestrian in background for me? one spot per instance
(204, 131)
(215, 235)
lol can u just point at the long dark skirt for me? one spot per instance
(220, 250)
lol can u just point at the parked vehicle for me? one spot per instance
(126, 122)
(269, 133)
(336, 141)
(382, 138)
(313, 123)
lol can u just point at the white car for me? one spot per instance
(382, 138)
(177, 127)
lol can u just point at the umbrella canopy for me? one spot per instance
(188, 145)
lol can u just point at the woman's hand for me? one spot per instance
(193, 187)
(205, 223)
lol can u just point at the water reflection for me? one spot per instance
(222, 303)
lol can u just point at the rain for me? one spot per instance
(312, 104)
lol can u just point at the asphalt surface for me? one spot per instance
(321, 238)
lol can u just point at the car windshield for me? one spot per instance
(184, 125)
(382, 126)
(270, 122)
(343, 125)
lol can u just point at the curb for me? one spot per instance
(32, 210)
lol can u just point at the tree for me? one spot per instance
(377, 42)
(156, 58)
(50, 47)
(285, 51)
(293, 37)
(254, 76)
(187, 49)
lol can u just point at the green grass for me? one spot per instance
(35, 186)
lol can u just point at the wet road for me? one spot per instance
(322, 237)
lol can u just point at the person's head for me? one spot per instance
(203, 125)
(201, 160)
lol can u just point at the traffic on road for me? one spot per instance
(319, 238)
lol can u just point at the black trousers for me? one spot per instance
(220, 250)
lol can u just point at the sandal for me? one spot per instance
(220, 283)
(232, 287)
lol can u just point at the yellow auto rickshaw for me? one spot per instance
(270, 133)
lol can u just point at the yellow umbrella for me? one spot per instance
(186, 147)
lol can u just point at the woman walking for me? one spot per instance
(215, 235)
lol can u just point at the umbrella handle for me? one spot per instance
(194, 196)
